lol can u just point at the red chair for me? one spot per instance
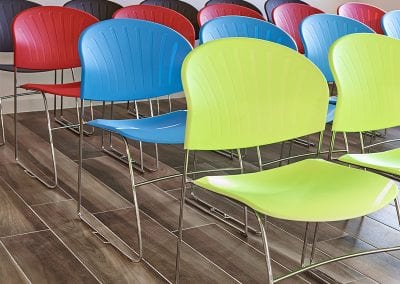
(364, 13)
(289, 17)
(218, 10)
(160, 15)
(46, 38)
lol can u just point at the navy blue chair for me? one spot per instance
(391, 24)
(101, 9)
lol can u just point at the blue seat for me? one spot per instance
(239, 26)
(391, 24)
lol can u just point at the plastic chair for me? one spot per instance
(238, 26)
(218, 10)
(181, 7)
(289, 17)
(270, 5)
(365, 13)
(391, 24)
(48, 44)
(247, 114)
(160, 15)
(117, 67)
(236, 2)
(101, 9)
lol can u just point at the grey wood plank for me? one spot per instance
(9, 272)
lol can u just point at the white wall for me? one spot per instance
(35, 102)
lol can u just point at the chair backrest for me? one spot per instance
(365, 13)
(238, 26)
(391, 24)
(8, 10)
(129, 59)
(236, 2)
(244, 92)
(319, 32)
(161, 15)
(289, 17)
(366, 70)
(181, 7)
(270, 5)
(46, 38)
(101, 9)
(218, 10)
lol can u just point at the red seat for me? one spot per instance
(289, 17)
(364, 13)
(218, 10)
(67, 90)
(160, 15)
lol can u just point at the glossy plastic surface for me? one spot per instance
(46, 38)
(161, 15)
(129, 59)
(289, 17)
(67, 90)
(214, 11)
(101, 9)
(238, 26)
(181, 7)
(319, 32)
(309, 191)
(366, 71)
(391, 24)
(244, 92)
(365, 13)
(236, 2)
(270, 5)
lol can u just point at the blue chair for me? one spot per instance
(130, 60)
(318, 33)
(238, 26)
(391, 24)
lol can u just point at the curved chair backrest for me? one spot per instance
(236, 2)
(46, 38)
(129, 59)
(391, 24)
(160, 15)
(238, 26)
(8, 10)
(181, 7)
(244, 92)
(289, 17)
(319, 32)
(365, 13)
(101, 9)
(270, 5)
(365, 67)
(218, 10)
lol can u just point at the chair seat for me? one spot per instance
(312, 190)
(331, 113)
(333, 100)
(162, 129)
(387, 161)
(65, 90)
(11, 67)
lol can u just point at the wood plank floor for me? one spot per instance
(42, 240)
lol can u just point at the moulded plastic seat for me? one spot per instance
(236, 2)
(101, 9)
(331, 112)
(391, 24)
(311, 190)
(167, 128)
(270, 5)
(66, 90)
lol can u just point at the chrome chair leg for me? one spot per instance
(397, 205)
(3, 134)
(304, 251)
(261, 220)
(314, 243)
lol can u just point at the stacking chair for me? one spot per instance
(118, 67)
(239, 26)
(181, 7)
(270, 5)
(391, 24)
(48, 44)
(365, 13)
(101, 9)
(218, 10)
(236, 2)
(289, 17)
(246, 113)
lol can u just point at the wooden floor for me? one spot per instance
(43, 241)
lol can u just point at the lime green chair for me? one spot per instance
(228, 108)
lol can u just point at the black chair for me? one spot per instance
(270, 5)
(101, 9)
(236, 2)
(181, 7)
